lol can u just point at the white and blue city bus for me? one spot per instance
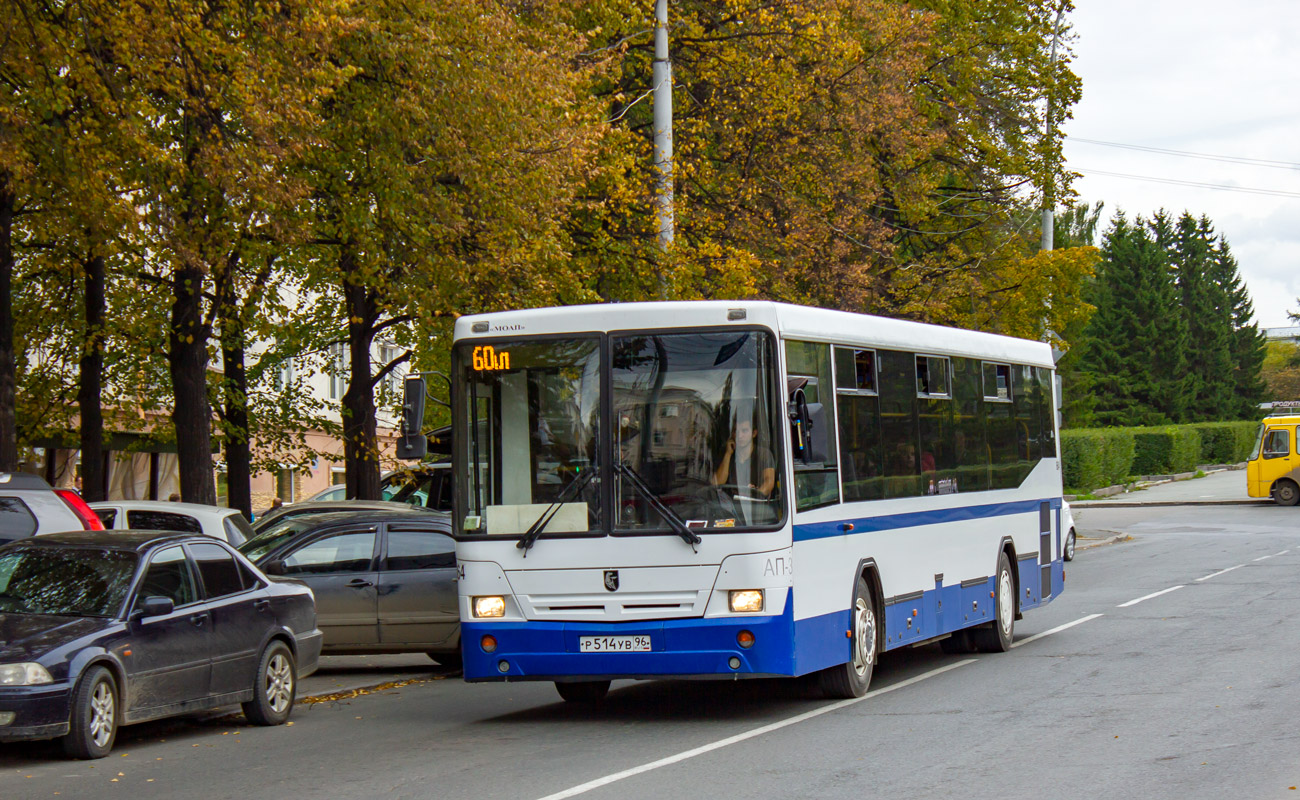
(744, 489)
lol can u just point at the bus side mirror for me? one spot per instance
(800, 425)
(412, 445)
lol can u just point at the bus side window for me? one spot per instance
(1277, 444)
(810, 381)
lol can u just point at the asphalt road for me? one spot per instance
(1176, 677)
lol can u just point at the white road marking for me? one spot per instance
(740, 737)
(1284, 552)
(1220, 572)
(1263, 558)
(1057, 629)
(1153, 594)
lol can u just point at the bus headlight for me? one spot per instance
(491, 606)
(745, 599)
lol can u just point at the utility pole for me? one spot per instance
(1049, 189)
(663, 114)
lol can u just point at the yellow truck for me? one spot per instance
(1273, 469)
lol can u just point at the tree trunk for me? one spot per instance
(235, 399)
(360, 445)
(8, 368)
(90, 386)
(188, 362)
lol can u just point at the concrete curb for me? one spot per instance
(1081, 543)
(1160, 503)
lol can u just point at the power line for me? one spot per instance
(1198, 184)
(1254, 162)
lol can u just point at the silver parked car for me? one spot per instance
(384, 580)
(226, 524)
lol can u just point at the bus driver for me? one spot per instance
(744, 464)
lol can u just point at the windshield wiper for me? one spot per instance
(566, 496)
(675, 522)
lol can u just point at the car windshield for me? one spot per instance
(271, 537)
(85, 582)
(695, 426)
(531, 413)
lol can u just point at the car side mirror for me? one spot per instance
(156, 606)
(273, 567)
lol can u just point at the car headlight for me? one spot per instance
(745, 600)
(490, 606)
(29, 674)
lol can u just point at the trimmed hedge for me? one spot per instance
(1226, 442)
(1171, 448)
(1095, 457)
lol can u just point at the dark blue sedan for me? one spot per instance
(99, 630)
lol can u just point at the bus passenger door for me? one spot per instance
(1277, 458)
(1045, 549)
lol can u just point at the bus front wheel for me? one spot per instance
(1286, 493)
(852, 679)
(589, 692)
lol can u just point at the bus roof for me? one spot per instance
(792, 321)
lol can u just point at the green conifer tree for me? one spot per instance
(1135, 352)
(1246, 345)
(1208, 318)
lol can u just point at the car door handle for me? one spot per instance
(359, 583)
(262, 605)
(199, 620)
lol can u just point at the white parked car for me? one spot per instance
(1067, 524)
(226, 524)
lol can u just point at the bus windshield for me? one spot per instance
(531, 416)
(695, 422)
(694, 434)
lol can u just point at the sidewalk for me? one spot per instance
(1221, 486)
(341, 677)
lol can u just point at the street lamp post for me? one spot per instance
(663, 121)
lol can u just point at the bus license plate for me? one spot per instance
(613, 644)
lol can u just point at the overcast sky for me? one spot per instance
(1210, 78)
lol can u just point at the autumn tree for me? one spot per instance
(451, 157)
(231, 91)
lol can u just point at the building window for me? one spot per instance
(338, 370)
(392, 382)
(284, 485)
(284, 375)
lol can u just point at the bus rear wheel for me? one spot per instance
(996, 637)
(852, 679)
(589, 692)
(1286, 493)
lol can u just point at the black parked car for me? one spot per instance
(385, 580)
(317, 506)
(99, 630)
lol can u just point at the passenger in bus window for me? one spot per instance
(744, 464)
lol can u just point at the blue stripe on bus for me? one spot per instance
(704, 647)
(538, 650)
(912, 519)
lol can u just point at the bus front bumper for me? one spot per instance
(679, 648)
